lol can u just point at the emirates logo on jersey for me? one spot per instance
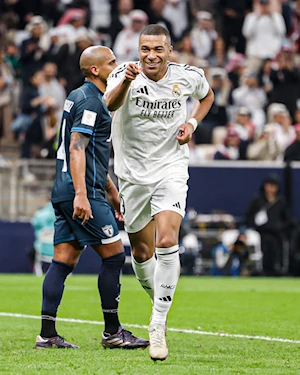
(176, 92)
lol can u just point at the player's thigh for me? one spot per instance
(66, 248)
(63, 231)
(168, 204)
(167, 225)
(143, 242)
(169, 195)
(102, 229)
(135, 205)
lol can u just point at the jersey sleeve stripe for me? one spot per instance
(193, 70)
(119, 71)
(175, 64)
(186, 67)
(83, 93)
(82, 130)
(120, 67)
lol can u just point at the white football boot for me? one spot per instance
(158, 346)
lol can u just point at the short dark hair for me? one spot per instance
(156, 30)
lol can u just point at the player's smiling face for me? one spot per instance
(154, 53)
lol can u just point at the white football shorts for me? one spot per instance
(139, 203)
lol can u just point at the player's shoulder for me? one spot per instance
(120, 69)
(86, 93)
(81, 99)
(186, 69)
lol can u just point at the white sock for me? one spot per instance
(144, 272)
(166, 276)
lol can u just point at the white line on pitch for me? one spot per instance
(189, 331)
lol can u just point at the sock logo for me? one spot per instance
(166, 286)
(177, 205)
(118, 298)
(166, 299)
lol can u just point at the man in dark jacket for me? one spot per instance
(285, 81)
(293, 150)
(269, 215)
(233, 13)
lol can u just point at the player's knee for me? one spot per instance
(67, 253)
(114, 261)
(69, 259)
(166, 241)
(141, 253)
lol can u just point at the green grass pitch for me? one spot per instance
(254, 306)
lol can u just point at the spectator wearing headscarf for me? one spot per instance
(204, 35)
(127, 41)
(32, 55)
(265, 147)
(250, 95)
(284, 132)
(230, 150)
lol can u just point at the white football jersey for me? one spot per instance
(145, 127)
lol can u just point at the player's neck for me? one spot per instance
(99, 84)
(158, 76)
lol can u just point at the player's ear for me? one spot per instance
(94, 70)
(171, 48)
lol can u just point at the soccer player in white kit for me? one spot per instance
(150, 133)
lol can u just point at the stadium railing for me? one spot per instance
(25, 186)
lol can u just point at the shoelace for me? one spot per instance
(158, 337)
(59, 338)
(128, 335)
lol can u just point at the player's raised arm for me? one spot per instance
(200, 110)
(115, 97)
(82, 208)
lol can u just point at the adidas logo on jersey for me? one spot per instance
(143, 90)
(176, 205)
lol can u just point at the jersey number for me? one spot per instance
(61, 152)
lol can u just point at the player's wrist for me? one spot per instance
(127, 81)
(193, 122)
(80, 193)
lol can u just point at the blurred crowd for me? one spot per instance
(249, 50)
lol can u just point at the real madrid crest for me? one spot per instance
(176, 91)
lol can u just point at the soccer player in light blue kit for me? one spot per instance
(83, 216)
